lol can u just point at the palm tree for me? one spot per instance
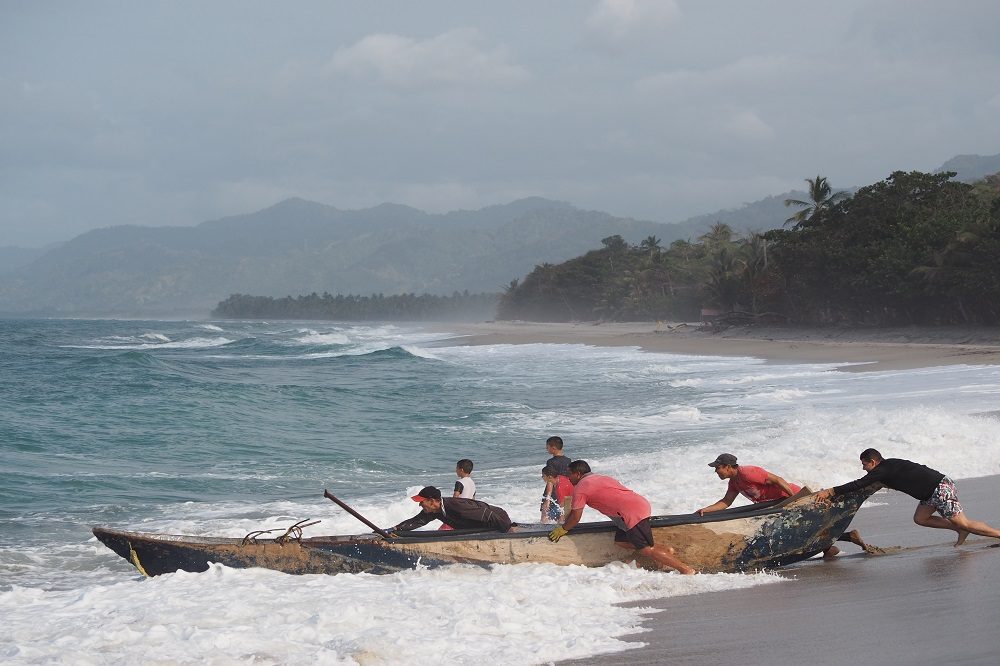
(650, 244)
(719, 234)
(821, 197)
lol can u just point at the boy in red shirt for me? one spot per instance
(558, 494)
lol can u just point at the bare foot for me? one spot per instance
(830, 553)
(854, 537)
(962, 536)
(687, 571)
(874, 550)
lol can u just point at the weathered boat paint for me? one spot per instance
(754, 537)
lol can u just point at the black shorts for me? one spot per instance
(640, 536)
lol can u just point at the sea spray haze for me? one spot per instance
(226, 427)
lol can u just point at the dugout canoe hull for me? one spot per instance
(750, 538)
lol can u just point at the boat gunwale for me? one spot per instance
(426, 536)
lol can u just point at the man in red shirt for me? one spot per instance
(759, 485)
(629, 511)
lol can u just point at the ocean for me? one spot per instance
(222, 428)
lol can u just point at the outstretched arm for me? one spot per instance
(775, 480)
(571, 521)
(418, 520)
(723, 503)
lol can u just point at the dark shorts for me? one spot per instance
(640, 536)
(944, 499)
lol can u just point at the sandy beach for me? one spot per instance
(859, 350)
(924, 602)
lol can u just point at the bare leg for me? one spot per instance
(665, 556)
(629, 547)
(964, 525)
(830, 553)
(854, 537)
(924, 515)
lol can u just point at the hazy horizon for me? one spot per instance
(172, 114)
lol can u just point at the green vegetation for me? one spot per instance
(916, 248)
(377, 307)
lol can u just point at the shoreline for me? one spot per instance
(924, 602)
(860, 350)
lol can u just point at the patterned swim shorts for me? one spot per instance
(944, 499)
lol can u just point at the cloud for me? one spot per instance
(615, 21)
(747, 125)
(455, 58)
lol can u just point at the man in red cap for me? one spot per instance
(458, 512)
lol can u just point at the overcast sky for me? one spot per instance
(173, 113)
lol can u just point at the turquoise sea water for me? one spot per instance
(221, 428)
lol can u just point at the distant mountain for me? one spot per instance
(769, 213)
(298, 247)
(972, 167)
(13, 258)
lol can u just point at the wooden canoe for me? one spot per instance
(747, 538)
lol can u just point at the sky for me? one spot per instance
(173, 113)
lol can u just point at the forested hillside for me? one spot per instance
(378, 307)
(915, 248)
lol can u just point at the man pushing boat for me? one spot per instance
(759, 485)
(457, 512)
(628, 510)
(934, 491)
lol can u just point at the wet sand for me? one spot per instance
(924, 602)
(859, 349)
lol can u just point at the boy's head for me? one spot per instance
(554, 445)
(463, 467)
(549, 473)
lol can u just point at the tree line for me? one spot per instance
(377, 307)
(915, 248)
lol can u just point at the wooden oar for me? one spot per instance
(343, 505)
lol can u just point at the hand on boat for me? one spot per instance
(557, 533)
(824, 495)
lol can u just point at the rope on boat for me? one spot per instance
(134, 559)
(293, 533)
